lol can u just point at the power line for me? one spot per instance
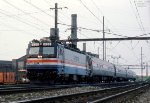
(144, 34)
(24, 31)
(27, 13)
(96, 16)
(135, 45)
(24, 12)
(115, 34)
(102, 13)
(115, 46)
(108, 33)
(132, 52)
(81, 27)
(93, 30)
(111, 24)
(90, 11)
(139, 17)
(38, 8)
(83, 34)
(139, 21)
(107, 19)
(22, 21)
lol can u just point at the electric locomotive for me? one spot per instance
(51, 62)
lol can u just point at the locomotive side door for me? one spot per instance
(89, 65)
(61, 57)
(115, 72)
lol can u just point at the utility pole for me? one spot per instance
(141, 65)
(56, 19)
(103, 40)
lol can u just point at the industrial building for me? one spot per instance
(12, 71)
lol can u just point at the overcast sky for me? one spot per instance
(24, 20)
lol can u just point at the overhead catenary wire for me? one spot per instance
(100, 20)
(132, 52)
(81, 27)
(90, 11)
(105, 18)
(114, 33)
(22, 21)
(140, 21)
(93, 30)
(139, 17)
(143, 35)
(103, 14)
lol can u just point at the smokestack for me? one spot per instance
(84, 47)
(74, 28)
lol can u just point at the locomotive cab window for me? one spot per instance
(34, 50)
(48, 50)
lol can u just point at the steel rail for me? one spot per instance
(75, 95)
(112, 97)
(12, 90)
(29, 88)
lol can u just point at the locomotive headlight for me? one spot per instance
(39, 56)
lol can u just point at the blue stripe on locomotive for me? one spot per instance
(59, 69)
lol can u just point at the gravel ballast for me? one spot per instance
(142, 97)
(44, 93)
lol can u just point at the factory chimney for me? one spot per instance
(74, 29)
(84, 47)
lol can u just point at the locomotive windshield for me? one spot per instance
(34, 50)
(48, 50)
(43, 51)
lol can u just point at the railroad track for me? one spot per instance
(23, 88)
(122, 96)
(32, 88)
(96, 96)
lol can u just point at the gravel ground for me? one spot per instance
(143, 97)
(41, 94)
